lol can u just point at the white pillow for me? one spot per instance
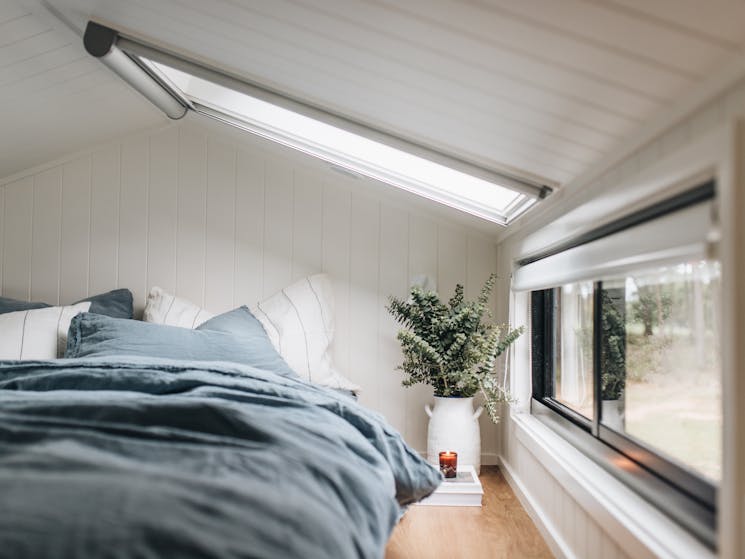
(299, 321)
(37, 333)
(164, 308)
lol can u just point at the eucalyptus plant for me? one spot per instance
(449, 345)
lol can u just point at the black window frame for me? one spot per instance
(682, 494)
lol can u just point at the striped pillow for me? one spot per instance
(164, 308)
(299, 320)
(37, 333)
(300, 323)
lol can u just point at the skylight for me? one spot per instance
(350, 151)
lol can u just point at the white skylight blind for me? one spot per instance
(357, 153)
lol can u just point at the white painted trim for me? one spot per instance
(693, 163)
(571, 194)
(638, 528)
(732, 492)
(489, 459)
(551, 534)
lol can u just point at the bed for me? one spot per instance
(105, 455)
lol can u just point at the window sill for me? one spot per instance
(636, 526)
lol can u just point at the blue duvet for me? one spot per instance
(106, 457)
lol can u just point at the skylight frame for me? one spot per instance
(527, 192)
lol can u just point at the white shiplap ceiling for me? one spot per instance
(54, 98)
(543, 87)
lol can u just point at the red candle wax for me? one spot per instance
(449, 463)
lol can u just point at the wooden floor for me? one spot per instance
(499, 529)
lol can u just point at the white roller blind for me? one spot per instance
(673, 238)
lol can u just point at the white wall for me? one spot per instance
(574, 518)
(222, 220)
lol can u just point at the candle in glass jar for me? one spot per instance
(449, 463)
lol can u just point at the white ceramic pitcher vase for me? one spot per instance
(454, 425)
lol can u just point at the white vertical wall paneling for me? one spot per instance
(610, 550)
(594, 540)
(45, 253)
(336, 255)
(191, 216)
(105, 175)
(481, 261)
(568, 506)
(162, 204)
(451, 259)
(75, 232)
(249, 261)
(307, 237)
(364, 310)
(554, 506)
(278, 225)
(220, 237)
(226, 223)
(133, 219)
(394, 280)
(17, 218)
(422, 262)
(581, 521)
(549, 500)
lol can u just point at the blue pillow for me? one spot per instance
(236, 336)
(12, 305)
(117, 303)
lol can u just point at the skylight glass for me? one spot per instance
(348, 150)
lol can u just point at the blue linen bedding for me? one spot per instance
(145, 457)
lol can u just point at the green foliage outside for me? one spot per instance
(448, 346)
(653, 306)
(645, 354)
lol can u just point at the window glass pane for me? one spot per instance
(369, 157)
(573, 382)
(660, 379)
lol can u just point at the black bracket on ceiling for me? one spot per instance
(98, 39)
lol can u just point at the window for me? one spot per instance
(661, 381)
(473, 194)
(626, 355)
(573, 379)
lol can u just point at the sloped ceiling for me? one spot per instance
(54, 98)
(544, 87)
